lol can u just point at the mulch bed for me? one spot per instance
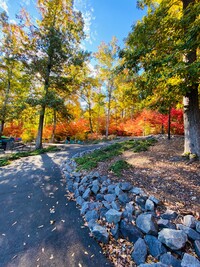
(163, 172)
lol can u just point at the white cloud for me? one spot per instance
(4, 5)
(88, 15)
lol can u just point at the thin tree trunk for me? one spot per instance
(169, 125)
(191, 100)
(54, 126)
(90, 118)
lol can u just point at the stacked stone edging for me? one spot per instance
(132, 214)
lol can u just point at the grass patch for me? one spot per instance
(119, 166)
(91, 160)
(6, 160)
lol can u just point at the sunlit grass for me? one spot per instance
(91, 160)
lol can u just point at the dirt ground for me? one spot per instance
(163, 172)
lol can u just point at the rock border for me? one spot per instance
(119, 210)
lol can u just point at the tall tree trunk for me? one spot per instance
(108, 119)
(38, 143)
(54, 126)
(90, 117)
(191, 100)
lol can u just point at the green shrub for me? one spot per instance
(119, 166)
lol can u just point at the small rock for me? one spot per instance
(113, 216)
(189, 261)
(170, 260)
(91, 215)
(91, 224)
(118, 190)
(79, 200)
(99, 197)
(87, 193)
(106, 204)
(130, 208)
(156, 248)
(147, 224)
(189, 221)
(84, 208)
(84, 180)
(165, 224)
(155, 200)
(198, 226)
(111, 188)
(140, 200)
(104, 189)
(76, 193)
(197, 247)
(115, 231)
(174, 239)
(115, 205)
(110, 197)
(95, 188)
(149, 205)
(126, 186)
(81, 189)
(140, 251)
(100, 233)
(137, 191)
(123, 198)
(129, 231)
(169, 215)
(192, 234)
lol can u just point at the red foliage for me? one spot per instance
(13, 129)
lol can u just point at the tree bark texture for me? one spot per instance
(191, 102)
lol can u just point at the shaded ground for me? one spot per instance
(39, 226)
(163, 172)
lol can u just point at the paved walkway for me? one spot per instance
(39, 227)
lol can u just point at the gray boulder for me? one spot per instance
(126, 186)
(155, 247)
(111, 188)
(147, 224)
(141, 201)
(189, 221)
(91, 215)
(115, 205)
(170, 260)
(84, 208)
(95, 187)
(137, 191)
(189, 261)
(79, 200)
(113, 216)
(149, 205)
(118, 190)
(198, 226)
(174, 239)
(123, 198)
(192, 234)
(100, 233)
(162, 223)
(155, 200)
(110, 197)
(86, 194)
(129, 231)
(115, 231)
(169, 215)
(140, 251)
(197, 247)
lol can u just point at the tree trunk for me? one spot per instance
(54, 126)
(192, 123)
(169, 125)
(2, 127)
(90, 118)
(38, 143)
(191, 100)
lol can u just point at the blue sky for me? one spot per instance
(103, 18)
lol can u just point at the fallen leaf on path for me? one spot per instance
(51, 258)
(41, 226)
(14, 223)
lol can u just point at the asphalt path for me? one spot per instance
(39, 227)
